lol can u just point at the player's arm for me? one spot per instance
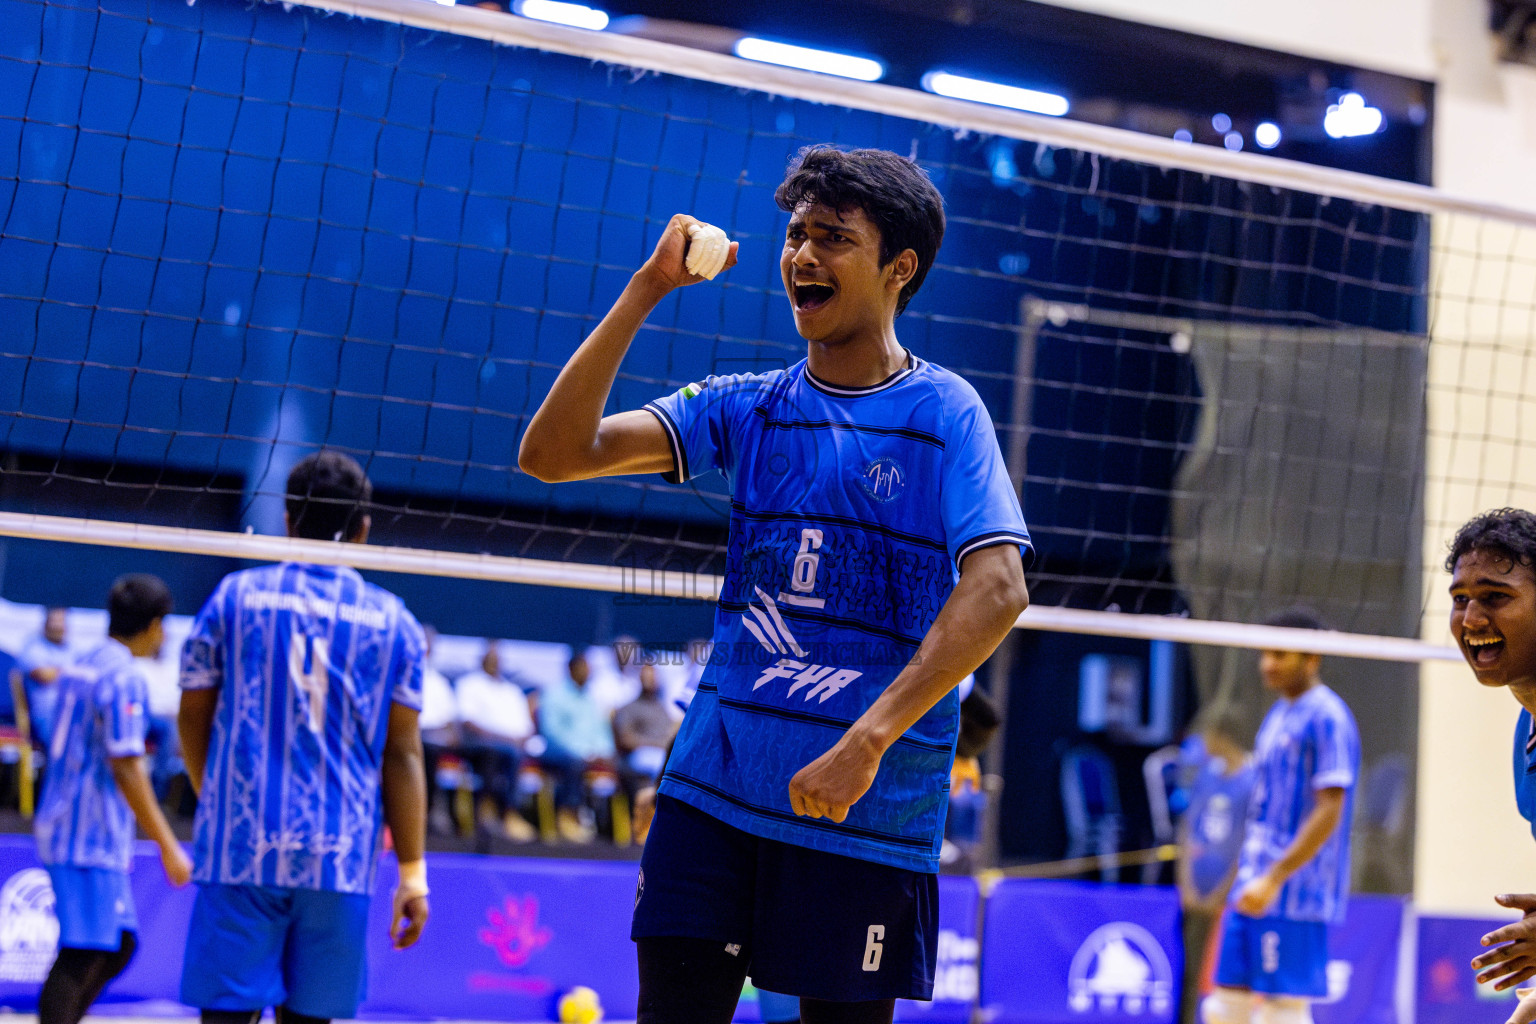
(569, 438)
(1259, 895)
(133, 782)
(404, 780)
(981, 609)
(194, 724)
(1513, 958)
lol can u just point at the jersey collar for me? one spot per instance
(839, 391)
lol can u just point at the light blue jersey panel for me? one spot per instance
(308, 660)
(82, 820)
(1303, 746)
(1525, 768)
(851, 510)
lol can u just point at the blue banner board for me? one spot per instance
(1363, 959)
(510, 935)
(1076, 953)
(1447, 991)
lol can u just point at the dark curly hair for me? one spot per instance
(1509, 532)
(893, 192)
(328, 496)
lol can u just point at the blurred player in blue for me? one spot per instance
(876, 557)
(1293, 872)
(95, 789)
(1493, 620)
(301, 687)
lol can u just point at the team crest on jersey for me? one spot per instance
(884, 479)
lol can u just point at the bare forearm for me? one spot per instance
(133, 782)
(978, 615)
(563, 436)
(194, 726)
(405, 800)
(1314, 832)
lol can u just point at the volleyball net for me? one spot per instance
(232, 234)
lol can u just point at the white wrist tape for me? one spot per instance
(413, 877)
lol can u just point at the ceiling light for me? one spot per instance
(995, 93)
(825, 61)
(575, 15)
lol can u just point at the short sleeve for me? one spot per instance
(978, 503)
(202, 656)
(702, 423)
(1338, 751)
(409, 661)
(121, 699)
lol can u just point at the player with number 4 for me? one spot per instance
(876, 556)
(301, 686)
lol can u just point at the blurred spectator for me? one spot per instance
(496, 723)
(979, 722)
(642, 730)
(504, 6)
(577, 737)
(162, 676)
(439, 732)
(42, 660)
(1210, 838)
(615, 673)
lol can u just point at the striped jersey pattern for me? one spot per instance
(1304, 745)
(308, 660)
(82, 820)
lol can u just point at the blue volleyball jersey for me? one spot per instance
(308, 659)
(1304, 745)
(1525, 768)
(851, 510)
(83, 820)
(1218, 809)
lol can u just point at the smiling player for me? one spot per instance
(876, 557)
(1493, 620)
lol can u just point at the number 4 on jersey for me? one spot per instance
(309, 665)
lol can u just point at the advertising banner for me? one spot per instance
(1363, 962)
(1077, 953)
(1447, 991)
(507, 938)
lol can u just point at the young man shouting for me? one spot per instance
(1493, 620)
(876, 556)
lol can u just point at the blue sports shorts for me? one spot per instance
(253, 946)
(1274, 956)
(94, 906)
(805, 922)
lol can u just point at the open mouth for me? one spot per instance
(812, 296)
(1485, 651)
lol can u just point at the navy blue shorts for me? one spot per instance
(806, 922)
(253, 946)
(1274, 956)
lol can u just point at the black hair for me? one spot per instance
(893, 192)
(328, 496)
(1297, 616)
(135, 602)
(1507, 532)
